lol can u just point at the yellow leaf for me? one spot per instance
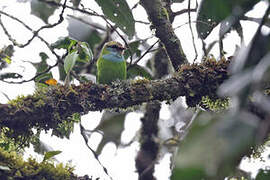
(51, 82)
(7, 59)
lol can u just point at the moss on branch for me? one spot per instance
(55, 105)
(160, 20)
(14, 167)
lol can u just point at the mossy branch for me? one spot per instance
(49, 107)
(162, 26)
(14, 167)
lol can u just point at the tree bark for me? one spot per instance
(55, 104)
(159, 17)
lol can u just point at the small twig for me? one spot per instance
(204, 48)
(135, 5)
(85, 138)
(33, 78)
(21, 46)
(220, 43)
(177, 27)
(35, 33)
(191, 30)
(177, 13)
(27, 27)
(6, 96)
(53, 3)
(147, 51)
(142, 22)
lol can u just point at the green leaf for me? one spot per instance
(188, 174)
(119, 12)
(64, 43)
(40, 147)
(263, 175)
(136, 70)
(5, 145)
(212, 12)
(217, 142)
(44, 77)
(76, 117)
(43, 10)
(112, 125)
(62, 73)
(10, 75)
(94, 38)
(42, 65)
(64, 129)
(70, 61)
(133, 48)
(50, 154)
(85, 53)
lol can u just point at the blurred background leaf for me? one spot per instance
(212, 12)
(188, 174)
(112, 126)
(133, 49)
(263, 175)
(42, 10)
(216, 143)
(137, 70)
(119, 12)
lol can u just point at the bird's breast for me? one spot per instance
(113, 57)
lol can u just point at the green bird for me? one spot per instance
(111, 64)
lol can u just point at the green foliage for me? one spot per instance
(85, 53)
(64, 43)
(133, 49)
(94, 38)
(25, 134)
(215, 105)
(13, 166)
(119, 12)
(216, 141)
(64, 128)
(77, 52)
(5, 59)
(7, 143)
(10, 76)
(188, 174)
(263, 175)
(42, 10)
(136, 70)
(41, 68)
(48, 155)
(70, 61)
(212, 12)
(112, 125)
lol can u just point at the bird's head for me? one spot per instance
(113, 47)
(113, 51)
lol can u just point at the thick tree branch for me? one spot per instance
(147, 156)
(50, 106)
(159, 18)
